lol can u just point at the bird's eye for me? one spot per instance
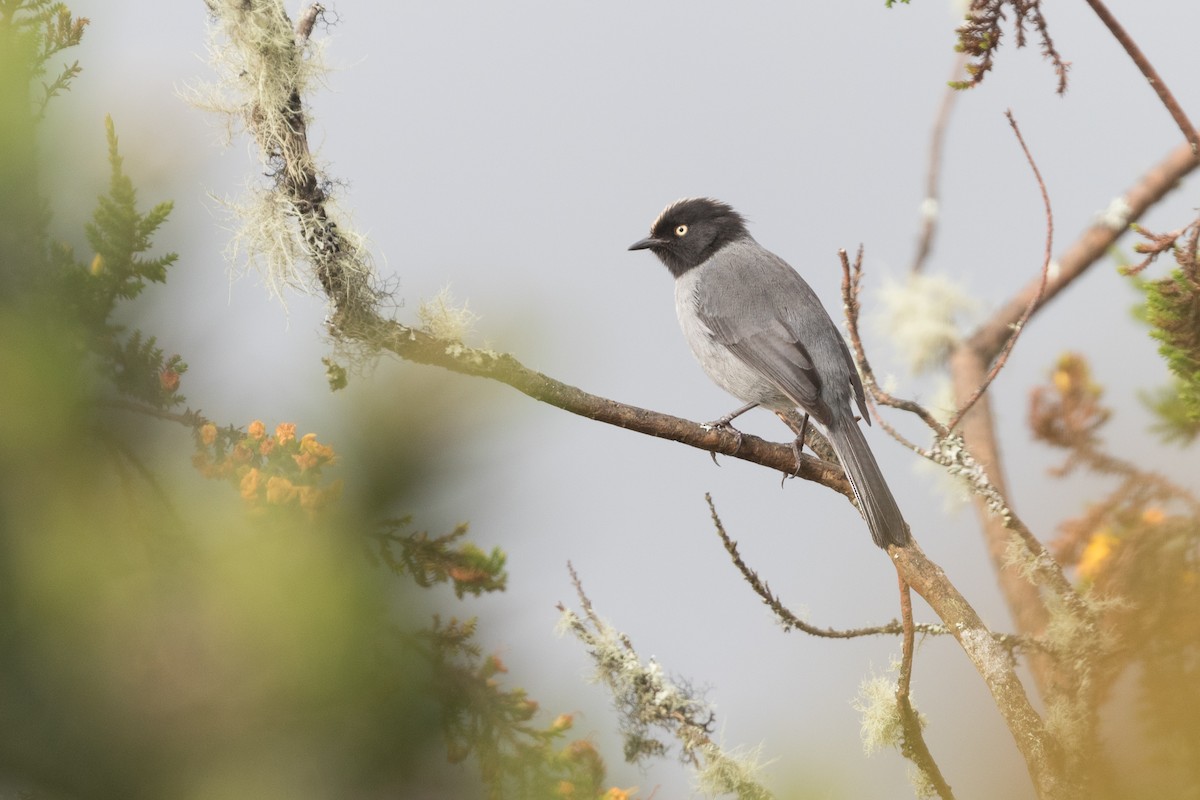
(681, 230)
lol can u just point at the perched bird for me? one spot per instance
(759, 331)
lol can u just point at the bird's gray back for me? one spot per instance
(760, 309)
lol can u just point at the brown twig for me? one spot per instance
(790, 621)
(1150, 73)
(929, 206)
(1042, 753)
(913, 745)
(306, 21)
(1019, 326)
(851, 280)
(1092, 245)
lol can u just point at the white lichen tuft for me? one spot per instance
(442, 319)
(951, 453)
(876, 704)
(647, 699)
(921, 316)
(262, 67)
(1116, 216)
(252, 48)
(737, 773)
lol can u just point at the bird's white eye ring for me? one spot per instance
(681, 230)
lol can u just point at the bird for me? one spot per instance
(760, 332)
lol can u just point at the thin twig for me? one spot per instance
(1002, 359)
(306, 21)
(913, 745)
(930, 210)
(851, 280)
(1092, 245)
(791, 621)
(1143, 63)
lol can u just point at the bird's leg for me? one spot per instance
(798, 444)
(723, 424)
(797, 449)
(724, 421)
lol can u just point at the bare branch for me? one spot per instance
(1160, 87)
(913, 745)
(304, 25)
(1002, 359)
(930, 210)
(851, 279)
(791, 621)
(1092, 245)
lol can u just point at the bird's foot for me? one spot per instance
(723, 424)
(797, 449)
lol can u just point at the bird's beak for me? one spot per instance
(646, 244)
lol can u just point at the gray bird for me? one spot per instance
(759, 331)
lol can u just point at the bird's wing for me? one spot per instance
(755, 304)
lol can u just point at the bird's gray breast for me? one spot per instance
(723, 367)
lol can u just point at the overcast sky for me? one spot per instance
(514, 150)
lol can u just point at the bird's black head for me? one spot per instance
(688, 232)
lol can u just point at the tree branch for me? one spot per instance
(930, 204)
(913, 745)
(1151, 74)
(1019, 325)
(1093, 244)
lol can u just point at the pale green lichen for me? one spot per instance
(262, 67)
(921, 317)
(876, 704)
(442, 318)
(645, 698)
(951, 452)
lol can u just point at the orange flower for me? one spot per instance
(241, 453)
(256, 430)
(280, 490)
(250, 483)
(617, 794)
(467, 574)
(285, 432)
(309, 444)
(168, 379)
(208, 433)
(1153, 515)
(306, 461)
(266, 446)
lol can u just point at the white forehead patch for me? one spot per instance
(666, 211)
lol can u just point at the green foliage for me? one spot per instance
(430, 561)
(34, 31)
(517, 758)
(1172, 309)
(162, 643)
(120, 237)
(980, 35)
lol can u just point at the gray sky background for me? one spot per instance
(514, 150)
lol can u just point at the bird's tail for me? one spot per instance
(875, 499)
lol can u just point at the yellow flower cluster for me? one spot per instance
(1097, 553)
(271, 470)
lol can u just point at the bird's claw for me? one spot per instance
(722, 424)
(797, 449)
